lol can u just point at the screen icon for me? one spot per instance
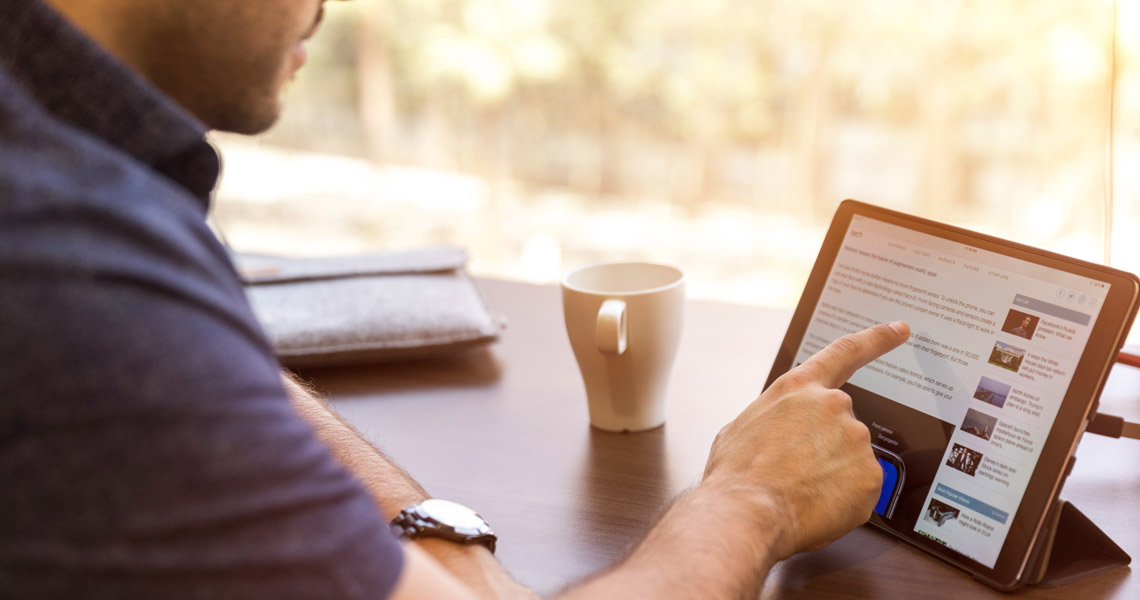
(894, 474)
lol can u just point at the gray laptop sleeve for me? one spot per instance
(366, 308)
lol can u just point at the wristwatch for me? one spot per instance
(444, 519)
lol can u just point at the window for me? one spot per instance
(717, 135)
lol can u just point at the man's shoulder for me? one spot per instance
(48, 162)
(84, 222)
(69, 200)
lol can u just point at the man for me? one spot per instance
(1024, 329)
(148, 445)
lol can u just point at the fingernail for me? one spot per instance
(900, 327)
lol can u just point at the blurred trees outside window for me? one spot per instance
(718, 135)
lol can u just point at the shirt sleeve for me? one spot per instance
(147, 448)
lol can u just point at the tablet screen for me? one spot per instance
(959, 414)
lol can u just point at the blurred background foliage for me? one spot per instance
(715, 134)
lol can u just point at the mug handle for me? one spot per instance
(611, 328)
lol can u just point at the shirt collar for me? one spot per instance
(85, 86)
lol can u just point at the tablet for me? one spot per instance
(976, 417)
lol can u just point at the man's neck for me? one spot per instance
(108, 23)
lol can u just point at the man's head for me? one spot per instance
(1026, 322)
(226, 61)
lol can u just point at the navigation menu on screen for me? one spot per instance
(994, 344)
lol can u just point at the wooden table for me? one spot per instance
(505, 430)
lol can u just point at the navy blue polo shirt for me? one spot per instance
(147, 447)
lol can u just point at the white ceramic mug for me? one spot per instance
(624, 322)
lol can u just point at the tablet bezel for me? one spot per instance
(1077, 407)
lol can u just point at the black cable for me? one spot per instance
(1111, 425)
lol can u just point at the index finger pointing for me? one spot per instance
(835, 364)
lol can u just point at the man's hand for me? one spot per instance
(799, 453)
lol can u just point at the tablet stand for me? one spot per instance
(1073, 548)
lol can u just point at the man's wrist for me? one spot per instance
(718, 540)
(756, 512)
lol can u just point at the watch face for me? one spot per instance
(452, 513)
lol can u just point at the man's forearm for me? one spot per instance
(709, 544)
(393, 490)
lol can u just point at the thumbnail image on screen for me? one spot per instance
(964, 459)
(940, 513)
(1007, 356)
(979, 424)
(1020, 324)
(992, 392)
